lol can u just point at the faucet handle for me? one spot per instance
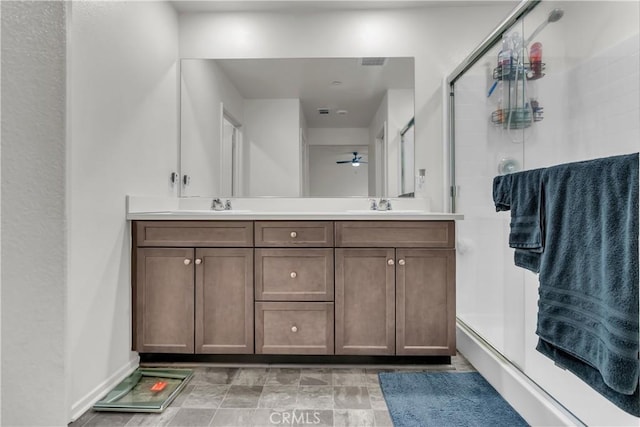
(384, 205)
(374, 205)
(216, 204)
(227, 205)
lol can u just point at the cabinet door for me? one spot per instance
(365, 301)
(164, 300)
(425, 302)
(224, 301)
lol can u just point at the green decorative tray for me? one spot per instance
(145, 390)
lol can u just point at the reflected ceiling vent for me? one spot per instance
(323, 111)
(372, 62)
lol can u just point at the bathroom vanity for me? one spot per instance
(326, 284)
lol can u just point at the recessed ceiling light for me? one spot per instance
(336, 83)
(341, 112)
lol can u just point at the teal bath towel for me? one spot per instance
(588, 305)
(521, 194)
(588, 270)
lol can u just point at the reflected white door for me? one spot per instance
(381, 162)
(231, 159)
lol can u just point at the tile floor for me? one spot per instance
(274, 396)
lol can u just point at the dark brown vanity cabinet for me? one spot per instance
(294, 287)
(193, 299)
(163, 300)
(425, 301)
(395, 288)
(365, 302)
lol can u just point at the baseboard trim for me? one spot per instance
(81, 406)
(534, 404)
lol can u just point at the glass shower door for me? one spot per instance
(491, 116)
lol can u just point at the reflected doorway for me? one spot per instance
(380, 169)
(231, 157)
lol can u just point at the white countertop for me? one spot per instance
(248, 209)
(255, 215)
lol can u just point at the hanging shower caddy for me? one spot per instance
(516, 109)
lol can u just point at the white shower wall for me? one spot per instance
(591, 101)
(600, 102)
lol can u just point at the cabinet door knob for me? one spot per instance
(294, 234)
(198, 261)
(294, 329)
(390, 262)
(293, 274)
(187, 261)
(401, 262)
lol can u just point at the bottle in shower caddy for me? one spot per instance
(515, 109)
(504, 59)
(535, 60)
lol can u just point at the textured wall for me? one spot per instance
(33, 213)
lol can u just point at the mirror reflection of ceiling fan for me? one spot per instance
(355, 162)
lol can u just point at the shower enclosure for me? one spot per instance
(556, 82)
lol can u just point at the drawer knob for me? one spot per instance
(401, 262)
(293, 274)
(390, 262)
(294, 329)
(198, 261)
(294, 234)
(187, 261)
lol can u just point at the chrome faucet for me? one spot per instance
(216, 205)
(373, 206)
(384, 205)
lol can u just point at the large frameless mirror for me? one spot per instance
(305, 127)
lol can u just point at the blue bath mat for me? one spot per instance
(440, 399)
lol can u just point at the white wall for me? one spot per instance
(204, 88)
(34, 225)
(330, 179)
(591, 100)
(338, 136)
(438, 37)
(273, 168)
(598, 95)
(123, 140)
(0, 231)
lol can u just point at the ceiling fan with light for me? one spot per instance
(355, 162)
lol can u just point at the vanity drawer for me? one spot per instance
(194, 233)
(294, 233)
(403, 234)
(294, 327)
(294, 274)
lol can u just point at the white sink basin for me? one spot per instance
(204, 212)
(393, 211)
